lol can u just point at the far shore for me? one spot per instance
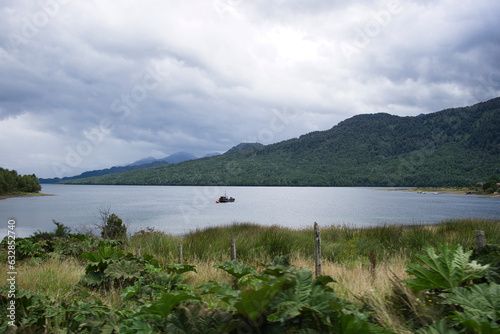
(445, 190)
(23, 195)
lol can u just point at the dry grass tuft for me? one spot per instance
(53, 277)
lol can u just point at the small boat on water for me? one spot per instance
(225, 199)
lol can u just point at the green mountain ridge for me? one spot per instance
(450, 147)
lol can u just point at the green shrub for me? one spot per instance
(447, 269)
(114, 228)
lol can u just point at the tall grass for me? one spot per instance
(53, 277)
(342, 244)
(161, 245)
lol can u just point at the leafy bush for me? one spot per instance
(282, 299)
(447, 269)
(61, 231)
(490, 186)
(108, 267)
(490, 255)
(474, 308)
(114, 228)
(197, 319)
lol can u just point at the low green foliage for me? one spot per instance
(108, 267)
(447, 269)
(453, 293)
(282, 299)
(490, 255)
(475, 308)
(236, 269)
(481, 301)
(113, 228)
(197, 319)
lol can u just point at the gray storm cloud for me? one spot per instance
(87, 85)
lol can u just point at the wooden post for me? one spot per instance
(317, 249)
(480, 239)
(233, 249)
(373, 265)
(138, 252)
(180, 253)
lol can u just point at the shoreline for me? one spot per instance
(444, 190)
(2, 197)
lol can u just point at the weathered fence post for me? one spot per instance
(233, 249)
(480, 239)
(317, 249)
(373, 265)
(180, 253)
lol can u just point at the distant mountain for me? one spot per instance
(100, 172)
(179, 157)
(139, 164)
(450, 147)
(143, 161)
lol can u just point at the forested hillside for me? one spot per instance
(11, 182)
(445, 148)
(106, 171)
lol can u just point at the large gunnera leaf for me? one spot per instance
(236, 269)
(126, 270)
(447, 269)
(478, 301)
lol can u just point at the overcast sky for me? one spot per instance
(93, 84)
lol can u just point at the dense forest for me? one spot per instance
(446, 148)
(11, 183)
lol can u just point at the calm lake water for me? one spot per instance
(177, 210)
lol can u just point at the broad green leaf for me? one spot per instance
(92, 278)
(124, 270)
(91, 256)
(278, 270)
(349, 324)
(168, 301)
(236, 269)
(448, 269)
(131, 291)
(108, 252)
(252, 281)
(221, 290)
(325, 279)
(478, 301)
(149, 258)
(477, 326)
(307, 298)
(181, 268)
(253, 303)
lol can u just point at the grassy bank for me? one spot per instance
(340, 244)
(22, 194)
(367, 264)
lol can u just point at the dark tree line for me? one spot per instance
(11, 182)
